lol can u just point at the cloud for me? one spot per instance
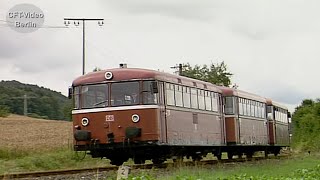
(181, 9)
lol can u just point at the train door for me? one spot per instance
(222, 121)
(163, 118)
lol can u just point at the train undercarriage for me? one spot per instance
(120, 152)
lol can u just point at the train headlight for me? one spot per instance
(84, 121)
(135, 118)
(108, 75)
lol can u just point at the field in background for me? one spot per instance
(29, 144)
(29, 134)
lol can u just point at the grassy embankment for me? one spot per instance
(297, 167)
(28, 144)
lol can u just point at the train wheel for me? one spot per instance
(178, 159)
(157, 161)
(196, 157)
(117, 162)
(230, 155)
(219, 156)
(139, 160)
(249, 155)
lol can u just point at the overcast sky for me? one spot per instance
(270, 46)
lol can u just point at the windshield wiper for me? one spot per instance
(101, 102)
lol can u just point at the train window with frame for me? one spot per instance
(286, 116)
(256, 109)
(201, 99)
(170, 94)
(252, 108)
(148, 97)
(125, 93)
(76, 97)
(94, 96)
(186, 97)
(215, 101)
(240, 106)
(248, 107)
(207, 97)
(178, 95)
(269, 112)
(276, 114)
(263, 110)
(229, 105)
(244, 103)
(194, 98)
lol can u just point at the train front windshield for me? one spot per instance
(121, 94)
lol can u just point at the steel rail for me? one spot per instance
(136, 166)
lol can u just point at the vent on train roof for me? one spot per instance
(195, 84)
(123, 65)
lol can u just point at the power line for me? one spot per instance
(76, 22)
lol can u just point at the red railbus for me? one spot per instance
(144, 114)
(278, 118)
(247, 127)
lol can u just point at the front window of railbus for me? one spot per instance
(148, 94)
(94, 96)
(125, 93)
(121, 94)
(129, 93)
(76, 97)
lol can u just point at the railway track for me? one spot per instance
(132, 167)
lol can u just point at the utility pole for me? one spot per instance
(25, 103)
(76, 22)
(179, 67)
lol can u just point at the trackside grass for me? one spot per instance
(298, 167)
(63, 158)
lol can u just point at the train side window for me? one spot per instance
(201, 99)
(170, 94)
(260, 110)
(252, 108)
(244, 105)
(178, 95)
(186, 97)
(229, 109)
(207, 97)
(194, 98)
(255, 109)
(240, 106)
(248, 107)
(215, 99)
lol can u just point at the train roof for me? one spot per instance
(277, 104)
(226, 91)
(125, 74)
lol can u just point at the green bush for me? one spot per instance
(4, 111)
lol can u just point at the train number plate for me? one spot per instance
(109, 118)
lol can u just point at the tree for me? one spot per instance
(96, 69)
(306, 125)
(4, 111)
(214, 73)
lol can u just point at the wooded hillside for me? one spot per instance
(41, 102)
